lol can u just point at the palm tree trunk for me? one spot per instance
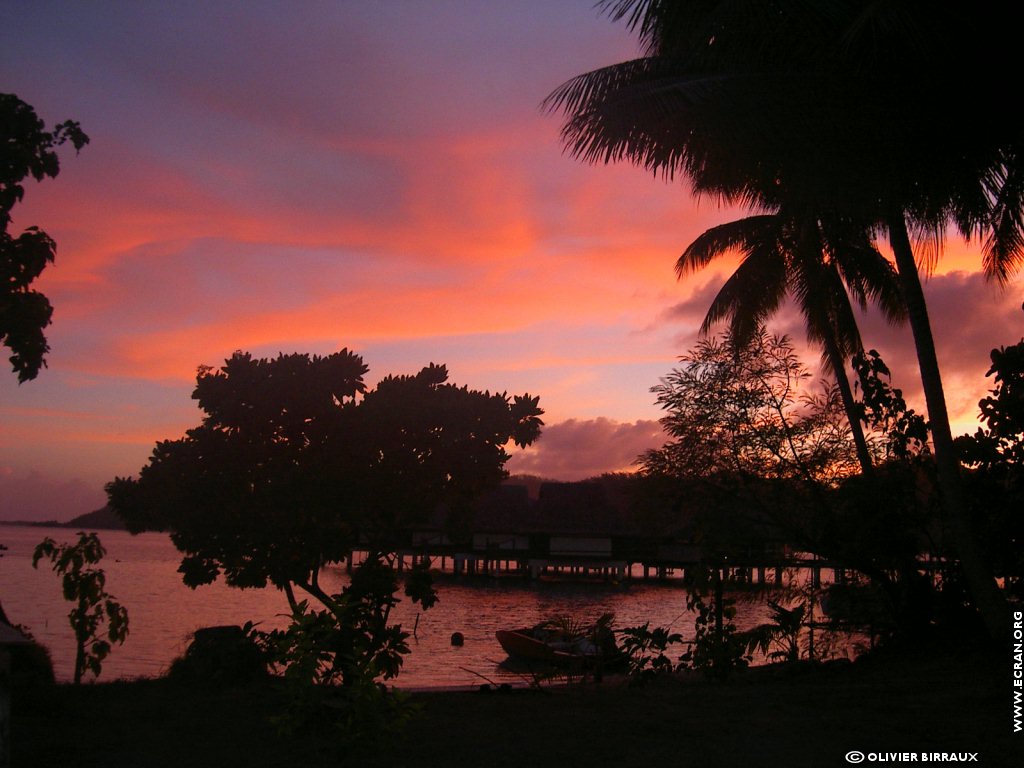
(838, 365)
(988, 600)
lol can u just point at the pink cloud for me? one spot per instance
(577, 449)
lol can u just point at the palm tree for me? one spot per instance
(842, 103)
(818, 262)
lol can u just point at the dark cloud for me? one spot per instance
(969, 317)
(690, 314)
(577, 449)
(692, 309)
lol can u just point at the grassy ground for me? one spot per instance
(803, 717)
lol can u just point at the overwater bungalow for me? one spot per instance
(597, 528)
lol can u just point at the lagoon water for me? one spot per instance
(142, 575)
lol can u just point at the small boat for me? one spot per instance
(553, 642)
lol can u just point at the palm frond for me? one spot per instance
(1004, 240)
(870, 277)
(751, 295)
(735, 135)
(741, 235)
(826, 307)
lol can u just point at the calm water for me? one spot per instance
(142, 575)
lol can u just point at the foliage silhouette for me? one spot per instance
(646, 651)
(884, 409)
(718, 648)
(334, 659)
(819, 262)
(995, 455)
(1000, 442)
(841, 107)
(746, 409)
(27, 149)
(295, 464)
(95, 613)
(778, 639)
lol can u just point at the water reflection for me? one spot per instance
(142, 574)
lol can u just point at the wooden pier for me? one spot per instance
(533, 566)
(581, 530)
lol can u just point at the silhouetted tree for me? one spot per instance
(761, 458)
(754, 448)
(26, 149)
(995, 454)
(746, 409)
(840, 104)
(296, 463)
(819, 262)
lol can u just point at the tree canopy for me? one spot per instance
(27, 149)
(295, 464)
(748, 409)
(296, 459)
(761, 455)
(841, 104)
(841, 107)
(995, 454)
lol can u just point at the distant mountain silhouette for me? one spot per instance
(100, 519)
(103, 518)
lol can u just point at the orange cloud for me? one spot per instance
(343, 178)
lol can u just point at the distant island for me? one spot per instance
(101, 519)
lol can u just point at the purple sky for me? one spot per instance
(378, 176)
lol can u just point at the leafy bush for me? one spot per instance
(228, 655)
(646, 652)
(718, 648)
(334, 660)
(779, 639)
(95, 612)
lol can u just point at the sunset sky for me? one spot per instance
(281, 177)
